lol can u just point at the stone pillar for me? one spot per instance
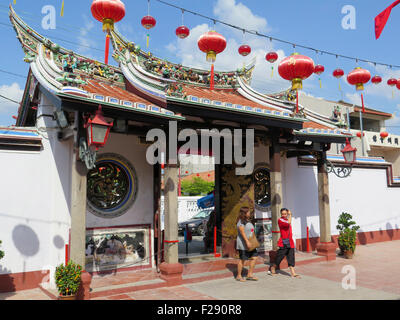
(276, 196)
(171, 269)
(78, 212)
(326, 247)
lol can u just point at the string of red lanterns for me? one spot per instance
(294, 68)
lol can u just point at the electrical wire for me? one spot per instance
(276, 39)
(13, 74)
(4, 97)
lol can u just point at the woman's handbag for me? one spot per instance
(254, 244)
(286, 243)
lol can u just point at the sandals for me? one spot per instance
(240, 279)
(252, 278)
(270, 272)
(296, 276)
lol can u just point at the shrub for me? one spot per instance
(68, 278)
(196, 187)
(347, 232)
(1, 252)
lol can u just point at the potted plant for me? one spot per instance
(347, 235)
(1, 252)
(68, 280)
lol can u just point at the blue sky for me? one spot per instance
(313, 23)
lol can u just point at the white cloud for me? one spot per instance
(84, 39)
(395, 120)
(354, 98)
(382, 89)
(188, 53)
(238, 14)
(13, 92)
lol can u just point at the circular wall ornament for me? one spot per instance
(262, 188)
(111, 186)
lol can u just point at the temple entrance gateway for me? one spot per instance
(111, 214)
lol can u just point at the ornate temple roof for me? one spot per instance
(146, 84)
(67, 74)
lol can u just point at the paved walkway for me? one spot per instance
(375, 267)
(376, 277)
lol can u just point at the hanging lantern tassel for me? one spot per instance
(320, 83)
(272, 71)
(297, 101)
(107, 48)
(15, 2)
(340, 89)
(212, 77)
(362, 103)
(147, 40)
(62, 8)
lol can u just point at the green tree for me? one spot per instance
(1, 252)
(196, 187)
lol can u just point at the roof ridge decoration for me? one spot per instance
(71, 68)
(69, 75)
(166, 72)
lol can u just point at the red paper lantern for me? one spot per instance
(271, 57)
(398, 84)
(211, 43)
(358, 77)
(338, 73)
(359, 134)
(296, 68)
(182, 32)
(319, 69)
(108, 12)
(376, 80)
(384, 134)
(244, 50)
(148, 22)
(392, 82)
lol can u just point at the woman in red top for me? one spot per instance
(285, 243)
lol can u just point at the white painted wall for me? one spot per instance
(35, 197)
(34, 200)
(364, 194)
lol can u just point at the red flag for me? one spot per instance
(382, 18)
